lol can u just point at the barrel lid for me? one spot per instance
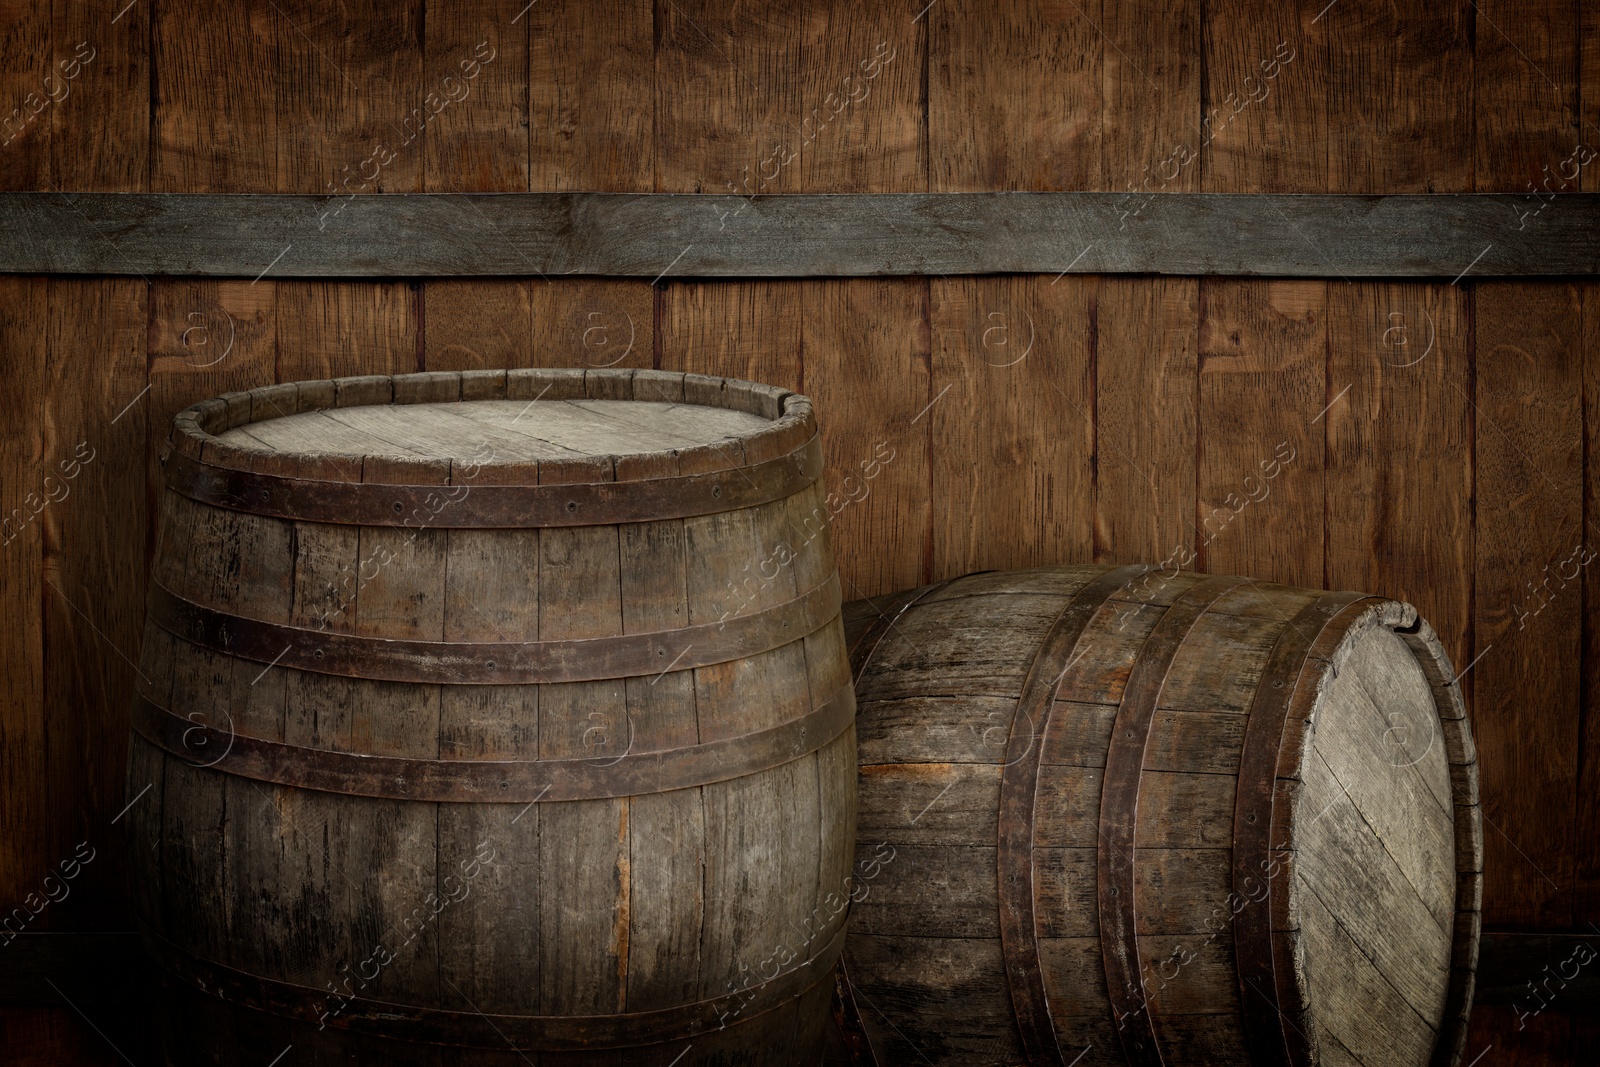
(1381, 845)
(518, 427)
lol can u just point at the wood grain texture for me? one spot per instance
(24, 118)
(30, 836)
(1525, 615)
(1264, 116)
(478, 142)
(1586, 906)
(591, 111)
(1586, 903)
(868, 372)
(214, 118)
(798, 235)
(799, 100)
(99, 129)
(1262, 390)
(346, 79)
(1525, 66)
(334, 329)
(476, 325)
(1146, 354)
(1404, 353)
(1013, 426)
(1014, 97)
(728, 328)
(95, 543)
(1399, 97)
(1146, 390)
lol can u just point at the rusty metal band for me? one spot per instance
(496, 663)
(1019, 782)
(1119, 817)
(473, 1029)
(203, 744)
(867, 642)
(847, 1019)
(1266, 989)
(475, 506)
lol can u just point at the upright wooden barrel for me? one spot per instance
(495, 718)
(1115, 815)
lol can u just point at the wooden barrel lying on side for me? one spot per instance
(481, 725)
(1111, 815)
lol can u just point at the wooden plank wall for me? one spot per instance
(1430, 441)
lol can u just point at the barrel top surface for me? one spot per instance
(530, 426)
(490, 430)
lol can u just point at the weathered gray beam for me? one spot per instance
(841, 235)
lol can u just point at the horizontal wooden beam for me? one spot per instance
(95, 968)
(837, 235)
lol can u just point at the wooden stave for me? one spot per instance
(874, 695)
(826, 763)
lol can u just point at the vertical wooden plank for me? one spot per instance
(734, 329)
(1014, 425)
(1014, 102)
(95, 123)
(26, 60)
(591, 115)
(1260, 498)
(1528, 430)
(25, 806)
(1014, 350)
(1150, 99)
(214, 123)
(868, 372)
(99, 138)
(95, 539)
(860, 124)
(583, 845)
(716, 79)
(825, 99)
(1399, 479)
(483, 324)
(1399, 87)
(1499, 1034)
(478, 142)
(205, 338)
(1264, 116)
(349, 85)
(788, 120)
(335, 329)
(591, 95)
(666, 831)
(1145, 392)
(1586, 904)
(1145, 357)
(1262, 344)
(1014, 96)
(600, 322)
(1525, 72)
(1529, 441)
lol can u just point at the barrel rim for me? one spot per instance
(1402, 619)
(195, 429)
